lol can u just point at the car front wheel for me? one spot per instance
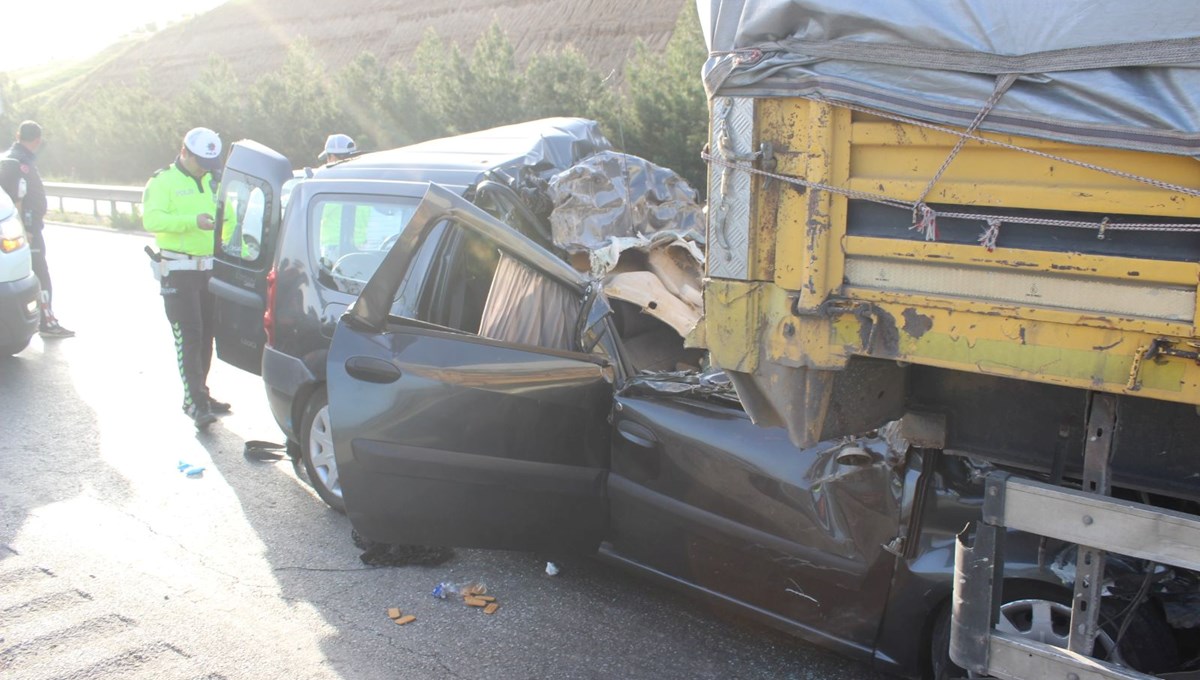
(316, 448)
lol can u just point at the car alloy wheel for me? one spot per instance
(1049, 622)
(317, 451)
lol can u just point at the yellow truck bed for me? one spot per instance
(802, 280)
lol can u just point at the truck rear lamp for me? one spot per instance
(12, 234)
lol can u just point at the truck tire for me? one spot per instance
(1042, 612)
(316, 450)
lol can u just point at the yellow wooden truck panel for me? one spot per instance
(814, 296)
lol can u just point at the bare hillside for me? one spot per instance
(253, 34)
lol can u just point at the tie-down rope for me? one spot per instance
(925, 216)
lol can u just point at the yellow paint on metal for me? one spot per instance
(800, 313)
(730, 322)
(1116, 268)
(1078, 357)
(810, 224)
(898, 160)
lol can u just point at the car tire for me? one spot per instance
(316, 450)
(1039, 609)
(14, 348)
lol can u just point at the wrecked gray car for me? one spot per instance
(492, 401)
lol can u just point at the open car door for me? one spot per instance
(248, 221)
(472, 435)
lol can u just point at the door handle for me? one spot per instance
(637, 434)
(372, 370)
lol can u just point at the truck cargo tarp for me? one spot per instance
(1104, 72)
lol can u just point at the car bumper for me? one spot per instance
(18, 310)
(286, 378)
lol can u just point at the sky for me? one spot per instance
(42, 31)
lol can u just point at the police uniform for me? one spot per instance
(172, 200)
(20, 179)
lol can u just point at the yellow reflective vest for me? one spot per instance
(170, 204)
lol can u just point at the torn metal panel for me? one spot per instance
(713, 383)
(647, 291)
(614, 195)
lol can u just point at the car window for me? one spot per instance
(471, 286)
(353, 234)
(244, 217)
(408, 296)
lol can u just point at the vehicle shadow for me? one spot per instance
(49, 451)
(591, 621)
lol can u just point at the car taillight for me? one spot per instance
(7, 245)
(269, 313)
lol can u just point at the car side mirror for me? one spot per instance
(591, 320)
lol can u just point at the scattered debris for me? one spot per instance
(445, 589)
(264, 451)
(392, 555)
(400, 617)
(190, 470)
(473, 594)
(551, 569)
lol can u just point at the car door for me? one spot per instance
(804, 535)
(249, 217)
(489, 431)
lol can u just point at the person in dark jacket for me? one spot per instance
(20, 180)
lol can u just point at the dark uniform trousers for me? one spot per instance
(189, 306)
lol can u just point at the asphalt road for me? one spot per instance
(113, 564)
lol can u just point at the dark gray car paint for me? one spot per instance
(480, 444)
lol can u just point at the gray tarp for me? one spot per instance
(1108, 72)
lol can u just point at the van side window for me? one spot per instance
(244, 217)
(352, 236)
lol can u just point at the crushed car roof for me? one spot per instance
(541, 146)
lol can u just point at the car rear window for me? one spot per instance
(352, 235)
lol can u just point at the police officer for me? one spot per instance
(338, 147)
(179, 207)
(20, 180)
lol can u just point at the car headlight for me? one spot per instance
(12, 234)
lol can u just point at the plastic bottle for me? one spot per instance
(446, 589)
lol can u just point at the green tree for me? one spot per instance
(492, 84)
(438, 79)
(10, 108)
(667, 106)
(414, 107)
(562, 83)
(215, 100)
(364, 92)
(293, 109)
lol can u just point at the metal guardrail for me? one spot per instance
(96, 193)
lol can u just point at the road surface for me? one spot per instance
(113, 564)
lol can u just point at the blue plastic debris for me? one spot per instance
(191, 470)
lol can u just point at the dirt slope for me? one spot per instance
(252, 34)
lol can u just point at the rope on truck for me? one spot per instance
(925, 217)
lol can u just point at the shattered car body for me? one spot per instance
(491, 402)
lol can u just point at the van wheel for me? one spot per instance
(316, 449)
(1041, 612)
